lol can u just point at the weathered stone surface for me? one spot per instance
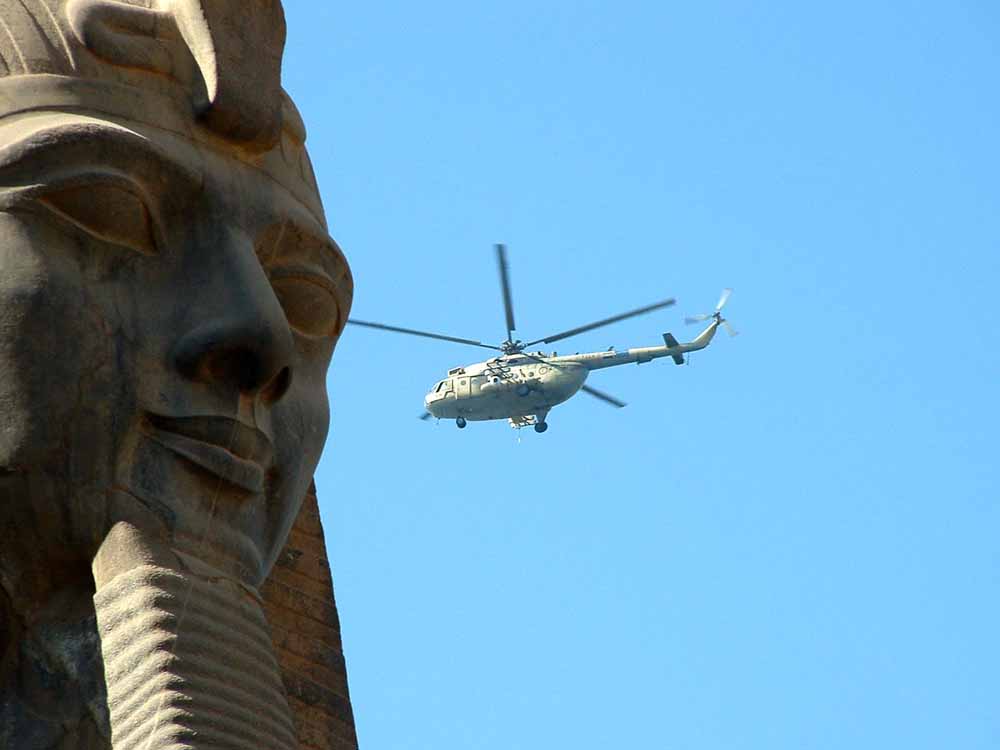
(169, 303)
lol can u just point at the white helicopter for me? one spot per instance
(522, 386)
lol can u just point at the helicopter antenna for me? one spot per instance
(508, 304)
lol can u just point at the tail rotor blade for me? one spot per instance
(723, 299)
(696, 319)
(603, 396)
(508, 304)
(729, 329)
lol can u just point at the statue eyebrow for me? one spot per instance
(71, 147)
(322, 249)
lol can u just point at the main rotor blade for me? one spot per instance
(425, 334)
(723, 299)
(605, 322)
(603, 396)
(508, 305)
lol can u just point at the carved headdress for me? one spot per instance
(207, 69)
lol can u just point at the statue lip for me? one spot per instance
(222, 446)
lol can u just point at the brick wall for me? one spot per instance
(300, 606)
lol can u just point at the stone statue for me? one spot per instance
(169, 303)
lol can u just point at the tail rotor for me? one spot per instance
(717, 315)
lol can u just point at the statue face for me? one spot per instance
(167, 316)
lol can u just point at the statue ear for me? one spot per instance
(126, 35)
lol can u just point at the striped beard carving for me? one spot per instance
(188, 657)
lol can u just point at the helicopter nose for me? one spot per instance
(429, 407)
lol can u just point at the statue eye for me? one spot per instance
(106, 211)
(310, 305)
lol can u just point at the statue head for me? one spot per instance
(169, 295)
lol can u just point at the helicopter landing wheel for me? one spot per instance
(541, 426)
(460, 423)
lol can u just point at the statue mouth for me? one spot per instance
(224, 447)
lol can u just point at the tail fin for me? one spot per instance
(671, 342)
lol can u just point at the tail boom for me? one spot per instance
(672, 348)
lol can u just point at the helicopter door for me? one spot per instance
(462, 386)
(476, 384)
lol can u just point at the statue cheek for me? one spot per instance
(300, 425)
(65, 394)
(43, 340)
(301, 419)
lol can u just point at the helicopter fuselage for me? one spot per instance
(515, 386)
(506, 387)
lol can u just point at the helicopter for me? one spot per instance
(522, 386)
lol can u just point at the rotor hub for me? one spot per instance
(512, 347)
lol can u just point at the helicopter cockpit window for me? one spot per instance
(439, 387)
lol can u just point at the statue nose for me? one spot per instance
(253, 357)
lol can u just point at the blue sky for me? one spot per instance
(792, 542)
